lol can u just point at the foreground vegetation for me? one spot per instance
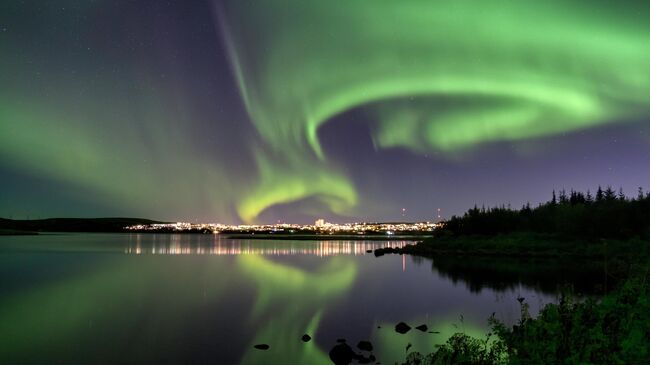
(614, 329)
(528, 244)
(606, 227)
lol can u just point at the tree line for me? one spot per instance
(605, 214)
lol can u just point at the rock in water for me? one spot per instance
(402, 328)
(364, 346)
(306, 338)
(422, 327)
(342, 354)
(262, 346)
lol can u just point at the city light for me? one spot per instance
(177, 246)
(320, 227)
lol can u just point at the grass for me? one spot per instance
(614, 329)
(528, 244)
(610, 329)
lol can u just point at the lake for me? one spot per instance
(205, 299)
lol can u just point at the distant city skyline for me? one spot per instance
(320, 226)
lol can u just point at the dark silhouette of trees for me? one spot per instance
(554, 199)
(574, 214)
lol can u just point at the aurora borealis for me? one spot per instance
(288, 110)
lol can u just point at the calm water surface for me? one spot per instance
(202, 299)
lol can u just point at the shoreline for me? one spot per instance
(523, 244)
(319, 237)
(11, 232)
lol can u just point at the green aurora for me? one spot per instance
(293, 300)
(442, 76)
(433, 77)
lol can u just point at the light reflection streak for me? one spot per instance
(176, 244)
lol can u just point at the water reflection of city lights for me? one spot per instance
(176, 244)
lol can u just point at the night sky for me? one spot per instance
(266, 111)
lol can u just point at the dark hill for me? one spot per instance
(72, 224)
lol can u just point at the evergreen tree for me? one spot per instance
(611, 216)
